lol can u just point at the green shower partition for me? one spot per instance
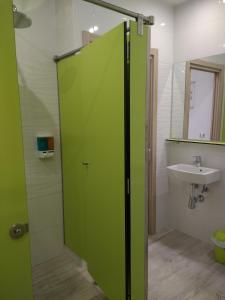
(139, 95)
(91, 89)
(102, 109)
(15, 266)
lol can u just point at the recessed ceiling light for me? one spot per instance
(164, 24)
(96, 28)
(93, 29)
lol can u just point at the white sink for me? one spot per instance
(193, 174)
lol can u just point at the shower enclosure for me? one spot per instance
(103, 157)
(103, 117)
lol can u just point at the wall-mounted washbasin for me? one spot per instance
(194, 174)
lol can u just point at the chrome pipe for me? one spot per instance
(57, 58)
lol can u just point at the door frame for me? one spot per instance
(152, 163)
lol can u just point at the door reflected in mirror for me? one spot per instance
(198, 100)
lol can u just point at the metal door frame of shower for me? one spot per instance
(141, 21)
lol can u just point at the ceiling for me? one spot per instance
(175, 2)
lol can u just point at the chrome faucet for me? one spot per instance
(197, 160)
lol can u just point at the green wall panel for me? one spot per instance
(15, 268)
(91, 88)
(138, 80)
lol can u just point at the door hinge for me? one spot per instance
(140, 24)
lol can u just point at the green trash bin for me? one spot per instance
(218, 239)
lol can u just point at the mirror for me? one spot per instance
(198, 100)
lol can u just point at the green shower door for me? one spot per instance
(91, 89)
(103, 129)
(15, 268)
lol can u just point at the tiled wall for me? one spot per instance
(162, 39)
(163, 131)
(39, 105)
(199, 32)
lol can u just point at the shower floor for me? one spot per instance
(64, 278)
(182, 268)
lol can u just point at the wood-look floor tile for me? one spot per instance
(183, 268)
(62, 278)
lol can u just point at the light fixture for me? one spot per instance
(164, 24)
(93, 29)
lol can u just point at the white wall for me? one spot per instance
(199, 32)
(39, 105)
(199, 29)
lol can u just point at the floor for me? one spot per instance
(180, 268)
(64, 278)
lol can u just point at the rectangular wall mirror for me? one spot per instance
(198, 100)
